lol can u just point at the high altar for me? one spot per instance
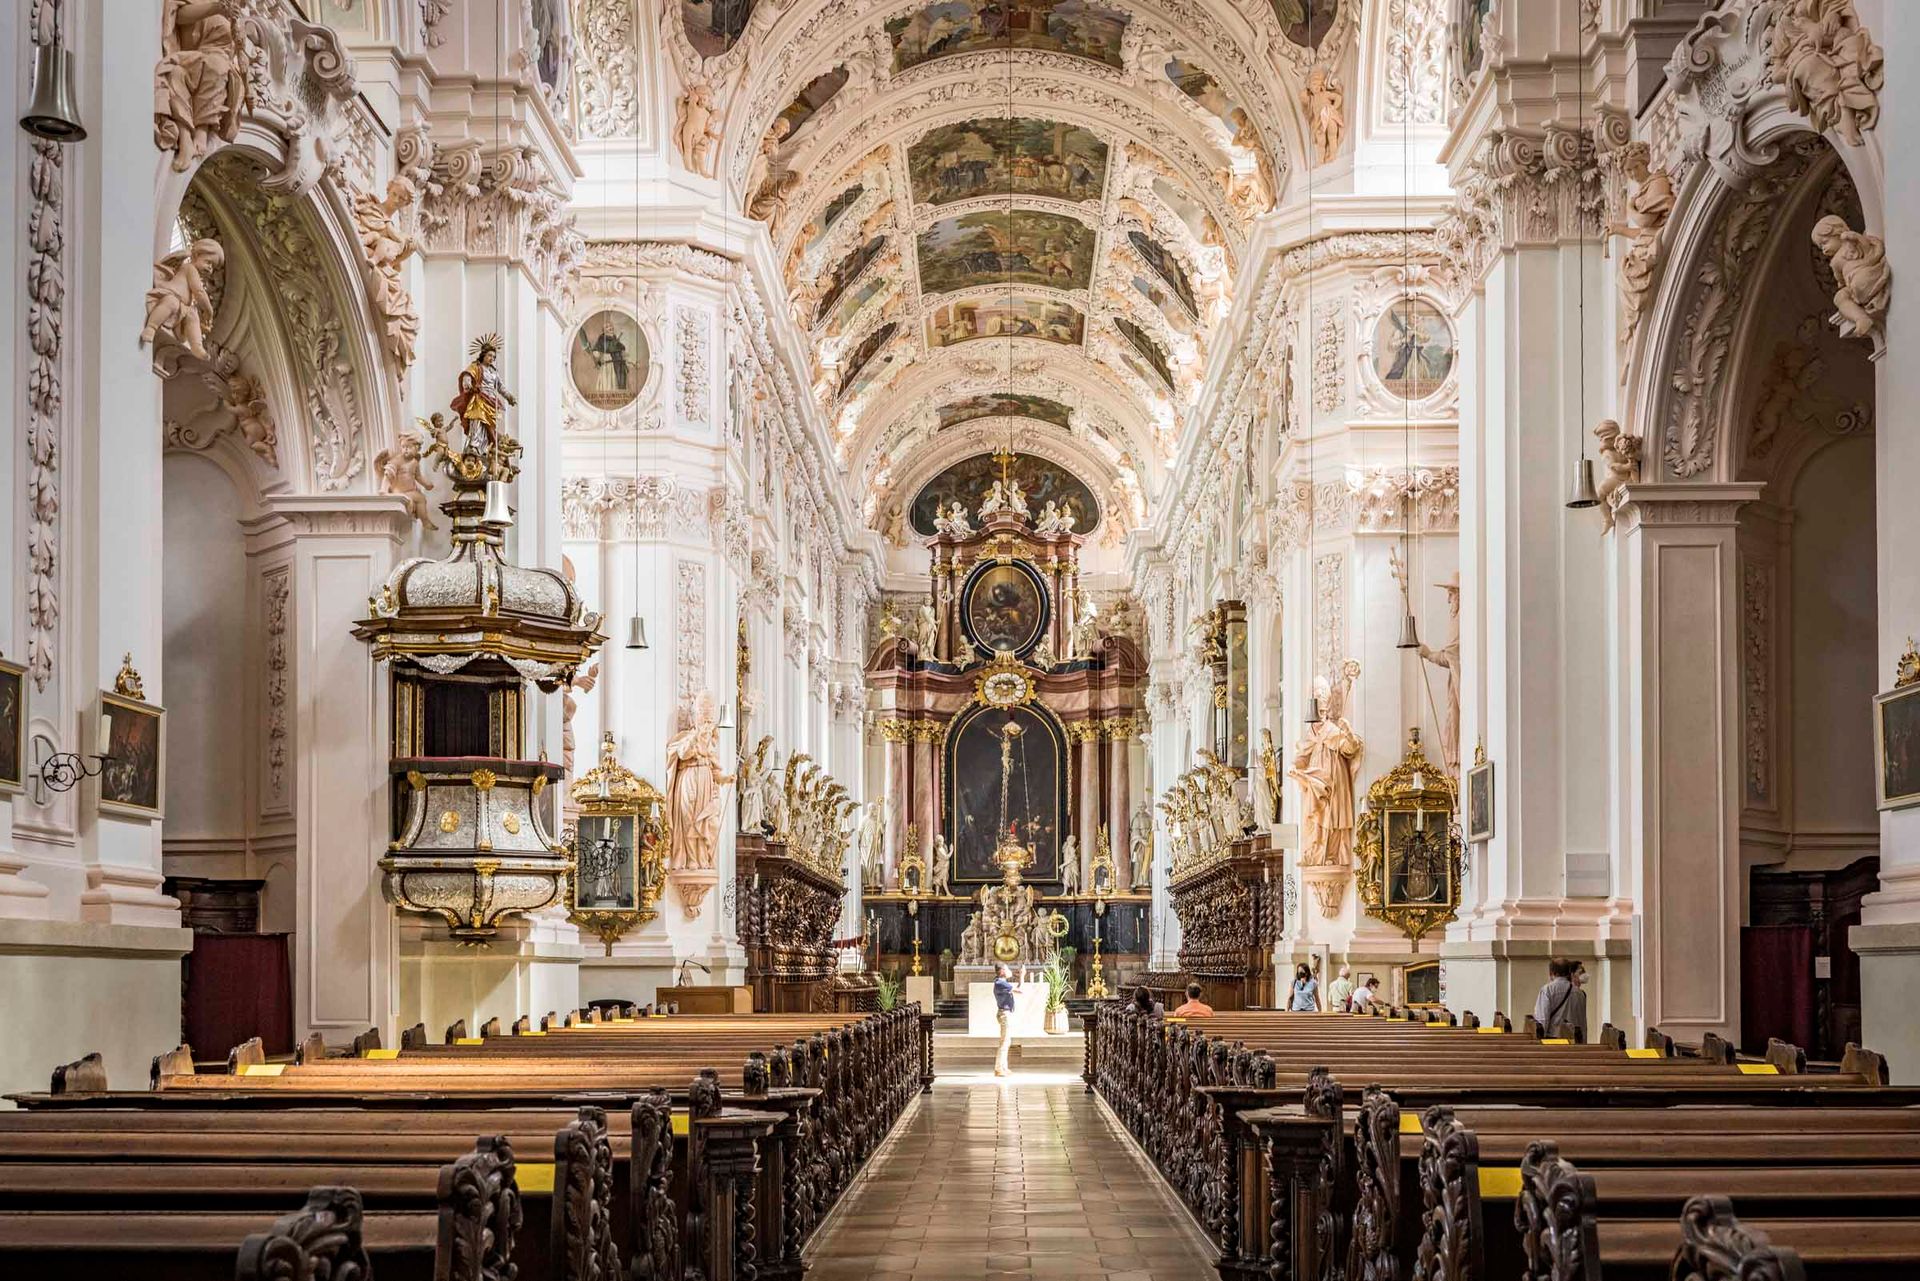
(1006, 714)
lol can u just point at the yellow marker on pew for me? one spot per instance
(532, 1032)
(469, 1040)
(682, 1124)
(1495, 1030)
(1410, 1123)
(1500, 1182)
(533, 1176)
(1758, 1069)
(381, 1054)
(1647, 1052)
(263, 1069)
(1555, 1040)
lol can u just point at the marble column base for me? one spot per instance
(117, 895)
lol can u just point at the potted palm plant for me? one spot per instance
(1059, 978)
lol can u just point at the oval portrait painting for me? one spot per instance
(1004, 609)
(609, 360)
(1412, 349)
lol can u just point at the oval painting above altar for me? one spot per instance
(609, 360)
(1004, 608)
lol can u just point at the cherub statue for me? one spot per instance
(1859, 263)
(996, 500)
(1017, 499)
(696, 128)
(1832, 69)
(178, 306)
(957, 523)
(246, 400)
(1325, 102)
(1048, 522)
(1621, 454)
(1043, 657)
(400, 472)
(482, 397)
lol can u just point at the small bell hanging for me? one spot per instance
(636, 632)
(1584, 494)
(53, 114)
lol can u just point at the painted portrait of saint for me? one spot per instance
(609, 360)
(1412, 349)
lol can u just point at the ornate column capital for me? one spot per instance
(1684, 505)
(1523, 188)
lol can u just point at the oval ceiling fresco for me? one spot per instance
(967, 481)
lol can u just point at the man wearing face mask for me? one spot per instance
(1564, 998)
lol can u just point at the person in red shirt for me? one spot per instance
(1195, 1008)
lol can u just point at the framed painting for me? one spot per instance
(618, 849)
(1025, 746)
(1004, 608)
(133, 777)
(608, 876)
(1412, 349)
(1896, 747)
(609, 360)
(1419, 863)
(13, 726)
(1480, 800)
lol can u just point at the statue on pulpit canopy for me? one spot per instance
(1324, 765)
(695, 787)
(482, 398)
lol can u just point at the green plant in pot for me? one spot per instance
(891, 986)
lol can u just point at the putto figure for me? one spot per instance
(482, 398)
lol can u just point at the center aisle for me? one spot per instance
(1015, 1180)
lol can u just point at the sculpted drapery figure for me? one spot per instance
(200, 83)
(1070, 866)
(1326, 110)
(482, 397)
(1324, 765)
(752, 789)
(1621, 454)
(1859, 263)
(1140, 844)
(940, 875)
(1830, 65)
(1266, 786)
(1447, 657)
(695, 787)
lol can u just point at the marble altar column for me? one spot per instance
(1086, 810)
(1120, 801)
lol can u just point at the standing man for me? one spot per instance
(1340, 992)
(1003, 990)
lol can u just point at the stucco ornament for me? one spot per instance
(200, 87)
(1325, 102)
(1859, 263)
(1620, 454)
(1832, 69)
(696, 128)
(179, 309)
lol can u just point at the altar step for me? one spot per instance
(957, 1053)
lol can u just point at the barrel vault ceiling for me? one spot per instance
(1009, 220)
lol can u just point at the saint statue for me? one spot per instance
(941, 873)
(1447, 657)
(1140, 844)
(482, 397)
(1324, 765)
(972, 946)
(753, 798)
(200, 83)
(1266, 787)
(695, 785)
(773, 799)
(1070, 866)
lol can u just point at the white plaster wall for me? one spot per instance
(1834, 614)
(203, 651)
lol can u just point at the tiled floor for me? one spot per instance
(989, 1180)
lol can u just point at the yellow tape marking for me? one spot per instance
(1490, 1031)
(1646, 1053)
(534, 1176)
(1410, 1124)
(1502, 1182)
(381, 1054)
(263, 1069)
(469, 1040)
(1555, 1040)
(1758, 1069)
(683, 1123)
(532, 1032)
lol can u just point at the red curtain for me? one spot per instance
(239, 986)
(1776, 986)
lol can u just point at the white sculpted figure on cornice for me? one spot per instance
(696, 127)
(1830, 65)
(389, 236)
(1648, 209)
(200, 84)
(1324, 100)
(400, 472)
(1865, 280)
(1620, 454)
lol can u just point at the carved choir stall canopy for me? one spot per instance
(1409, 847)
(618, 847)
(789, 880)
(463, 634)
(1225, 886)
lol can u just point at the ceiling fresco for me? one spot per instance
(1014, 209)
(966, 482)
(951, 27)
(991, 157)
(1004, 405)
(1021, 247)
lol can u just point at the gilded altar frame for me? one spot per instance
(604, 796)
(1410, 854)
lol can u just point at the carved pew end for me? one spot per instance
(175, 1062)
(1787, 1058)
(1612, 1037)
(249, 1053)
(413, 1038)
(321, 1240)
(456, 1031)
(82, 1076)
(368, 1040)
(1715, 1048)
(1714, 1243)
(1871, 1067)
(311, 1050)
(491, 1027)
(1658, 1040)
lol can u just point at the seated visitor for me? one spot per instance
(1366, 994)
(1193, 1007)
